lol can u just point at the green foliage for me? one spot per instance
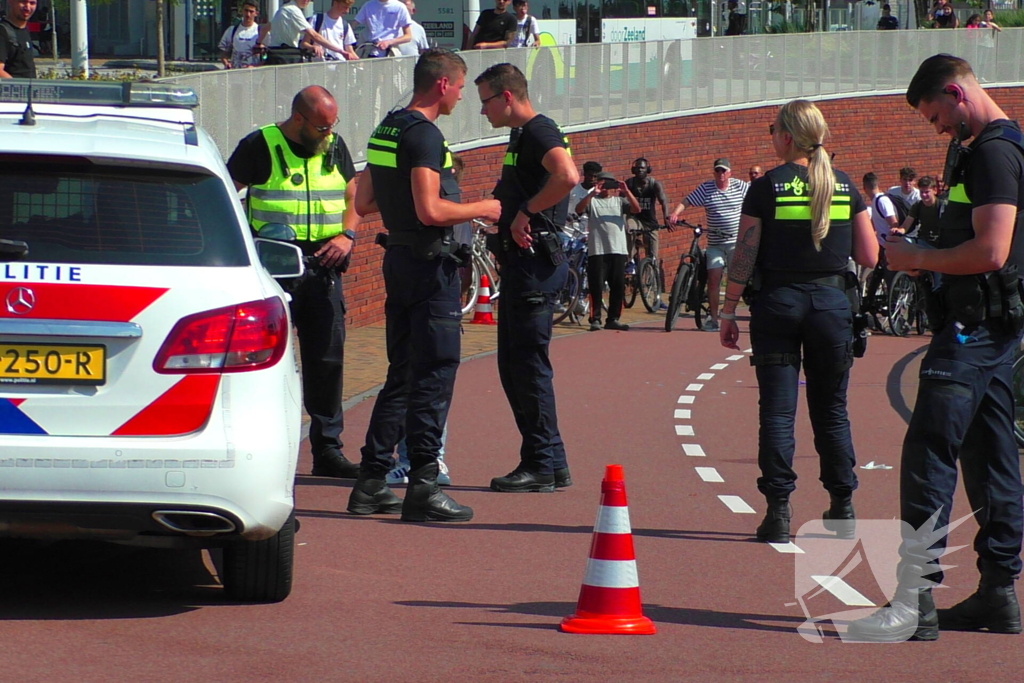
(1009, 18)
(786, 27)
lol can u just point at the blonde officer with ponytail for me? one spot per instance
(801, 223)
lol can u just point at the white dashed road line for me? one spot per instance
(737, 505)
(694, 387)
(693, 450)
(719, 366)
(736, 357)
(709, 474)
(790, 548)
(706, 376)
(684, 430)
(842, 590)
(685, 399)
(681, 414)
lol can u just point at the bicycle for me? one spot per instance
(573, 300)
(480, 263)
(689, 287)
(642, 275)
(906, 304)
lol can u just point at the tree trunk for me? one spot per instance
(160, 66)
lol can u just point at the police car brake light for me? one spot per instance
(17, 90)
(248, 336)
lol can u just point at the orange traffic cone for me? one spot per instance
(610, 597)
(482, 312)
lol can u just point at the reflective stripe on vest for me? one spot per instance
(799, 208)
(958, 194)
(313, 207)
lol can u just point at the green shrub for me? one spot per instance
(1009, 18)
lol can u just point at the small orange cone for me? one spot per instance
(482, 311)
(610, 597)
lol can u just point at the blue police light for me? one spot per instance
(17, 90)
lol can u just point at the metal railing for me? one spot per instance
(600, 85)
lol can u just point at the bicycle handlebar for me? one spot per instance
(686, 224)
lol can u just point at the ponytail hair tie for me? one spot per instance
(815, 146)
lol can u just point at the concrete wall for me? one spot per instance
(874, 133)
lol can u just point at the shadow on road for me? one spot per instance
(94, 580)
(666, 615)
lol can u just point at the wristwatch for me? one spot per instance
(525, 211)
(351, 234)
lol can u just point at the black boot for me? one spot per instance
(426, 502)
(839, 517)
(910, 615)
(331, 463)
(371, 497)
(563, 479)
(775, 526)
(523, 480)
(993, 607)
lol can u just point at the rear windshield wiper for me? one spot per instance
(13, 250)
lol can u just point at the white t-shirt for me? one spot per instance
(911, 199)
(238, 42)
(337, 31)
(576, 194)
(526, 32)
(287, 26)
(418, 43)
(881, 208)
(383, 20)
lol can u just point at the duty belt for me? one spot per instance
(778, 278)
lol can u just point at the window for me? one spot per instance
(75, 212)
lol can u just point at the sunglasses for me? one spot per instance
(321, 129)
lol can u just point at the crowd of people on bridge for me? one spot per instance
(386, 28)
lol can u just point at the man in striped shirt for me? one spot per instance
(722, 199)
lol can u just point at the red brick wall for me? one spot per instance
(879, 134)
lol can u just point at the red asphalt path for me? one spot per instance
(379, 600)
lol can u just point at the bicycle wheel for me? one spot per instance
(680, 290)
(568, 298)
(701, 307)
(1018, 400)
(902, 304)
(880, 304)
(470, 287)
(630, 280)
(921, 317)
(650, 285)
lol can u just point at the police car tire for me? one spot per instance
(261, 571)
(649, 285)
(680, 289)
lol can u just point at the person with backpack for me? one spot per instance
(237, 42)
(527, 34)
(332, 26)
(287, 29)
(884, 217)
(16, 57)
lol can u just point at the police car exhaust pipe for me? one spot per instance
(194, 523)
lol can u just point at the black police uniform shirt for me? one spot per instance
(995, 175)
(17, 58)
(250, 163)
(422, 145)
(528, 146)
(760, 203)
(494, 27)
(648, 200)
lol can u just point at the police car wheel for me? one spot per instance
(260, 571)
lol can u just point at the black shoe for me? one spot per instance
(991, 608)
(563, 479)
(595, 325)
(910, 615)
(371, 497)
(522, 480)
(426, 502)
(332, 463)
(616, 325)
(775, 526)
(840, 517)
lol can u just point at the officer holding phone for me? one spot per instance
(536, 178)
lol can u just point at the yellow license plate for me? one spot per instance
(45, 364)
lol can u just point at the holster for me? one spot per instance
(426, 243)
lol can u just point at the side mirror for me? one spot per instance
(277, 231)
(282, 260)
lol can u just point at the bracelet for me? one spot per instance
(726, 316)
(525, 211)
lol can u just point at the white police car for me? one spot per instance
(149, 392)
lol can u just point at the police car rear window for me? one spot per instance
(75, 212)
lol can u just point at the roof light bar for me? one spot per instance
(16, 90)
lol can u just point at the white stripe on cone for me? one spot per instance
(611, 574)
(483, 299)
(612, 520)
